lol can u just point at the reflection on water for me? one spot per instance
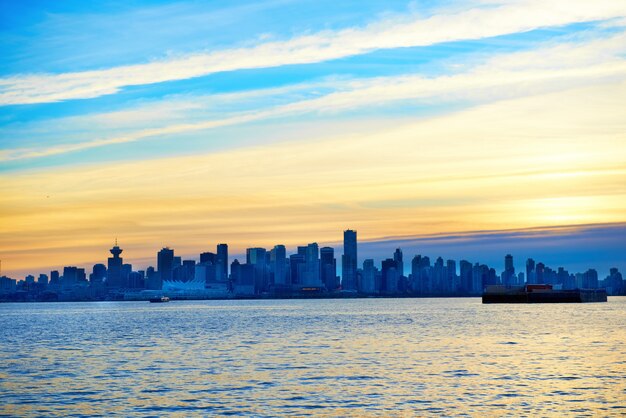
(313, 357)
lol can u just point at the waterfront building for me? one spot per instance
(114, 267)
(328, 267)
(165, 264)
(349, 260)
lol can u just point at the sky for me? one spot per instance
(466, 129)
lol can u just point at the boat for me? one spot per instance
(161, 299)
(541, 293)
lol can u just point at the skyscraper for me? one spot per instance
(390, 276)
(296, 268)
(530, 271)
(165, 264)
(258, 258)
(99, 273)
(349, 260)
(312, 275)
(539, 273)
(222, 262)
(508, 276)
(466, 276)
(278, 260)
(452, 278)
(328, 266)
(114, 268)
(368, 281)
(397, 257)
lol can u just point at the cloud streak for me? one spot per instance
(476, 23)
(502, 76)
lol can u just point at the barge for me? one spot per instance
(541, 293)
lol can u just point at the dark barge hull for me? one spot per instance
(564, 296)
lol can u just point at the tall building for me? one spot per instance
(530, 271)
(222, 262)
(439, 276)
(328, 267)
(208, 257)
(99, 274)
(312, 276)
(508, 276)
(540, 270)
(114, 267)
(452, 279)
(258, 258)
(153, 279)
(165, 264)
(368, 278)
(188, 270)
(296, 267)
(466, 276)
(390, 276)
(349, 260)
(70, 277)
(54, 277)
(43, 279)
(397, 257)
(278, 265)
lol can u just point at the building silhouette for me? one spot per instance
(328, 267)
(349, 260)
(165, 264)
(114, 267)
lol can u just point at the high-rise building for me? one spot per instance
(390, 276)
(98, 275)
(508, 276)
(208, 257)
(328, 266)
(438, 280)
(397, 257)
(452, 278)
(296, 267)
(530, 271)
(222, 262)
(590, 280)
(70, 277)
(153, 279)
(258, 258)
(349, 260)
(540, 270)
(54, 277)
(188, 270)
(165, 264)
(235, 276)
(114, 267)
(279, 265)
(368, 278)
(466, 276)
(43, 280)
(312, 275)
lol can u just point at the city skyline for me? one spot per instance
(308, 271)
(596, 248)
(264, 121)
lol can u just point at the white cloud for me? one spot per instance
(547, 69)
(476, 23)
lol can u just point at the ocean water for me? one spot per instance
(362, 357)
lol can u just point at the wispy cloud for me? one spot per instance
(545, 69)
(479, 22)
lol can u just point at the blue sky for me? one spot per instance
(344, 113)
